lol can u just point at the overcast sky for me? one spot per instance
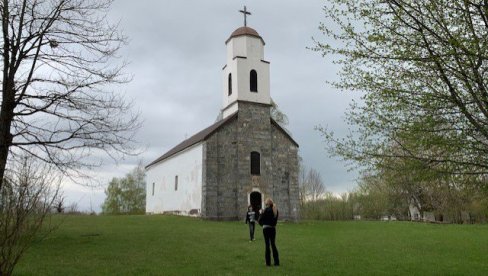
(176, 53)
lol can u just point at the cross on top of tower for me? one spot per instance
(245, 12)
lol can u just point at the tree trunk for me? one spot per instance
(6, 116)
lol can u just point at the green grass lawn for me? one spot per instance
(168, 245)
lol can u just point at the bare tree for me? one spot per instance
(57, 102)
(59, 205)
(72, 209)
(278, 115)
(58, 105)
(311, 185)
(302, 184)
(30, 191)
(316, 187)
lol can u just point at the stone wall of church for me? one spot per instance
(285, 175)
(226, 171)
(254, 132)
(219, 173)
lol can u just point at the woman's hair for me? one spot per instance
(271, 204)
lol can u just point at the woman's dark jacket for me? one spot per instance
(268, 217)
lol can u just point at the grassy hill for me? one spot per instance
(168, 245)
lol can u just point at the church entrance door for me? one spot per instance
(255, 199)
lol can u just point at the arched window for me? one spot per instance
(255, 163)
(253, 81)
(229, 89)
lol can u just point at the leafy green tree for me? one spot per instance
(126, 195)
(372, 197)
(398, 182)
(423, 68)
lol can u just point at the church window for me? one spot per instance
(255, 163)
(176, 183)
(230, 84)
(153, 188)
(253, 77)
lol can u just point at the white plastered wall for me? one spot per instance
(187, 165)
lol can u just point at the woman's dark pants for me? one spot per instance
(269, 239)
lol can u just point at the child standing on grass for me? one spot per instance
(250, 219)
(268, 219)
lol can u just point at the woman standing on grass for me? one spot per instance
(268, 219)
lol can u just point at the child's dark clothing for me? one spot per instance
(250, 220)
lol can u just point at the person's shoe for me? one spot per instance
(277, 264)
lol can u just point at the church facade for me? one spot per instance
(240, 160)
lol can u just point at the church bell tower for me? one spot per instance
(246, 74)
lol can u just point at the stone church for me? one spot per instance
(241, 159)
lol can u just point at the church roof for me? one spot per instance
(244, 31)
(206, 133)
(200, 136)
